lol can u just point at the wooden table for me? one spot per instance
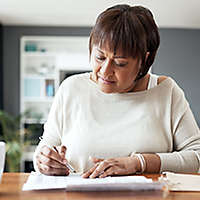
(11, 185)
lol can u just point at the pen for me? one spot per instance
(40, 138)
(72, 170)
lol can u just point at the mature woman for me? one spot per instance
(120, 119)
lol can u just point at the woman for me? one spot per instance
(120, 119)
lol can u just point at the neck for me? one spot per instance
(141, 84)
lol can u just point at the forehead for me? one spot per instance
(123, 47)
(105, 49)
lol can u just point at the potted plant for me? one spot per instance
(12, 134)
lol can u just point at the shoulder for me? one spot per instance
(73, 85)
(177, 92)
(171, 84)
(174, 92)
(162, 78)
(74, 81)
(170, 87)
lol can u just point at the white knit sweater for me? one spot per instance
(92, 123)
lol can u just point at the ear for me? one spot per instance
(147, 55)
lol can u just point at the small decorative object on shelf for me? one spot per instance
(49, 88)
(30, 47)
(43, 69)
(43, 50)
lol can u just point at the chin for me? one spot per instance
(107, 90)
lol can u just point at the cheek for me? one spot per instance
(94, 65)
(126, 77)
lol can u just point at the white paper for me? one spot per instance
(75, 182)
(182, 182)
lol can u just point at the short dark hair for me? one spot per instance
(131, 29)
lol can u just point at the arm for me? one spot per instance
(46, 159)
(186, 154)
(186, 137)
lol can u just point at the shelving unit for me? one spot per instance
(44, 61)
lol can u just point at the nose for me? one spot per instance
(107, 68)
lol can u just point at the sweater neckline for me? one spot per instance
(129, 94)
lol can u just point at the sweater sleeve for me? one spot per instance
(53, 127)
(186, 137)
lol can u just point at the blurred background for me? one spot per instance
(44, 42)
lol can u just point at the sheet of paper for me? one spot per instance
(182, 182)
(75, 182)
(38, 181)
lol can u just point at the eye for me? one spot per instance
(100, 58)
(121, 64)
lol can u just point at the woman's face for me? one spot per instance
(113, 73)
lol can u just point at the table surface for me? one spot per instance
(11, 188)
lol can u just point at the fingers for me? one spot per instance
(52, 154)
(61, 150)
(98, 169)
(112, 166)
(44, 169)
(50, 162)
(96, 161)
(109, 172)
(90, 171)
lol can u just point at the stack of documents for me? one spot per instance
(182, 182)
(74, 182)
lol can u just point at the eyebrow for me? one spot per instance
(115, 56)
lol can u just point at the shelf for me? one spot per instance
(34, 121)
(38, 76)
(38, 99)
(39, 54)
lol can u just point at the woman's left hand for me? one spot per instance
(113, 166)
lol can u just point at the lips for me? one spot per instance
(106, 81)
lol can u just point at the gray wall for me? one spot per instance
(178, 57)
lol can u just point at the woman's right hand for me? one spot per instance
(52, 162)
